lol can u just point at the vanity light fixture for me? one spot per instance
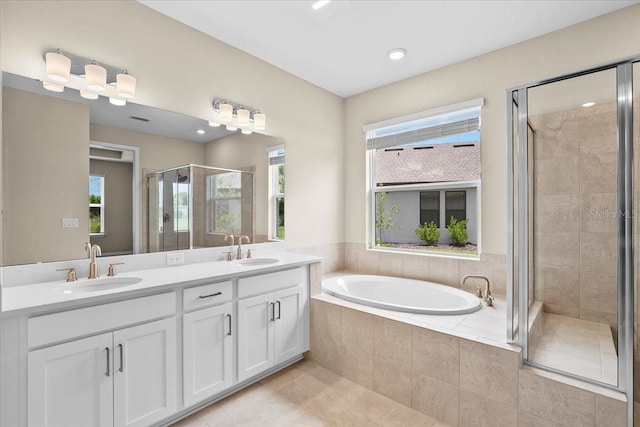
(237, 116)
(58, 66)
(53, 87)
(99, 79)
(259, 121)
(226, 111)
(397, 54)
(126, 85)
(96, 76)
(243, 115)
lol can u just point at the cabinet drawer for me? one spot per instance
(207, 295)
(271, 281)
(70, 324)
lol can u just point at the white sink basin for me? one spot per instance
(103, 284)
(257, 261)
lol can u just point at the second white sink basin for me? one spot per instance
(103, 284)
(257, 261)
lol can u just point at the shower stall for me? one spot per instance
(195, 206)
(573, 211)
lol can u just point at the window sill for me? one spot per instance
(98, 234)
(451, 255)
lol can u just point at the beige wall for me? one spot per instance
(308, 118)
(45, 175)
(581, 46)
(247, 153)
(118, 212)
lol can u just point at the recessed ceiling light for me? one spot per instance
(589, 104)
(320, 3)
(200, 131)
(397, 54)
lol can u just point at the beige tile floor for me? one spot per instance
(306, 394)
(578, 346)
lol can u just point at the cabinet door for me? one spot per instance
(71, 385)
(255, 335)
(289, 322)
(144, 373)
(207, 352)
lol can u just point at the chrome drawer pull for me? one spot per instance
(229, 316)
(121, 358)
(210, 295)
(279, 310)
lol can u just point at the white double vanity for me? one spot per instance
(147, 347)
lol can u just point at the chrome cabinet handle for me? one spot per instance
(108, 373)
(279, 311)
(121, 357)
(229, 316)
(210, 295)
(273, 311)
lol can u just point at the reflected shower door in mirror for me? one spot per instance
(195, 206)
(48, 152)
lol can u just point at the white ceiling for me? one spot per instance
(343, 46)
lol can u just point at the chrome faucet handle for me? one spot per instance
(489, 301)
(112, 269)
(71, 273)
(248, 253)
(229, 256)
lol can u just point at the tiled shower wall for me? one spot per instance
(575, 213)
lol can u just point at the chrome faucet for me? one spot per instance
(239, 255)
(94, 250)
(487, 297)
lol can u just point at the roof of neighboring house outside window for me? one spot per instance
(428, 163)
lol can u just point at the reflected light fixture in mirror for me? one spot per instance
(259, 120)
(117, 101)
(243, 116)
(53, 87)
(88, 94)
(214, 124)
(58, 66)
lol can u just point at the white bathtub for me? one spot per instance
(391, 293)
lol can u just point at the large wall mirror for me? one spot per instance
(132, 179)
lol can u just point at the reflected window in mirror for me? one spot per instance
(276, 193)
(225, 202)
(181, 203)
(96, 204)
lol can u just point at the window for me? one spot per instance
(96, 204)
(456, 205)
(430, 207)
(225, 194)
(276, 192)
(422, 168)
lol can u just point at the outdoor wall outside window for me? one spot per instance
(424, 169)
(276, 192)
(96, 204)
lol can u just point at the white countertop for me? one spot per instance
(56, 295)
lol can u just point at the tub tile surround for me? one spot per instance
(439, 269)
(454, 376)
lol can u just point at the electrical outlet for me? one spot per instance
(175, 259)
(69, 222)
